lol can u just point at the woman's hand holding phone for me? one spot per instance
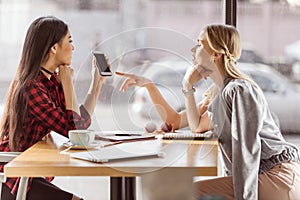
(97, 79)
(102, 64)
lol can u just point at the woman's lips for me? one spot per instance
(193, 59)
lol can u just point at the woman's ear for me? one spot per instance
(217, 55)
(53, 49)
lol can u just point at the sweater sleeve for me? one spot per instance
(247, 113)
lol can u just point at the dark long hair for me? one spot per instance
(42, 34)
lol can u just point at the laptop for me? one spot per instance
(114, 153)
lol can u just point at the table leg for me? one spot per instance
(130, 191)
(122, 188)
(116, 188)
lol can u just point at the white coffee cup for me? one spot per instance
(81, 137)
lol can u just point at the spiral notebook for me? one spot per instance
(188, 136)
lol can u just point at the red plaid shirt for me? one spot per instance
(46, 112)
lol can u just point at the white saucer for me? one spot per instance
(91, 146)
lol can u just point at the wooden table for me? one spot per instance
(44, 159)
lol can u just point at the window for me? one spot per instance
(266, 28)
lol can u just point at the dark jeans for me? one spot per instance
(40, 189)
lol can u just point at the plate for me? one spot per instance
(91, 146)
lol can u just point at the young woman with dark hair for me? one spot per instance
(41, 100)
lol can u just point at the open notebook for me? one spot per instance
(114, 153)
(116, 136)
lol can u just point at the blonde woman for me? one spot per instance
(260, 164)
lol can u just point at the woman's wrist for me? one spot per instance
(187, 86)
(188, 91)
(149, 85)
(67, 81)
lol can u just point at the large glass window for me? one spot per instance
(134, 34)
(270, 39)
(270, 33)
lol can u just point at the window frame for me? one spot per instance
(230, 12)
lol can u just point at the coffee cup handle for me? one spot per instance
(89, 139)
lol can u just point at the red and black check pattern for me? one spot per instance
(46, 112)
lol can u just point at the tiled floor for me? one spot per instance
(97, 188)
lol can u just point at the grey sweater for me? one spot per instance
(250, 140)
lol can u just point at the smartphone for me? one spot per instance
(102, 65)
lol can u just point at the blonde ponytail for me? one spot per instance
(225, 39)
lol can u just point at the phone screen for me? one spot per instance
(104, 70)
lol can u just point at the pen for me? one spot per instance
(125, 134)
(114, 143)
